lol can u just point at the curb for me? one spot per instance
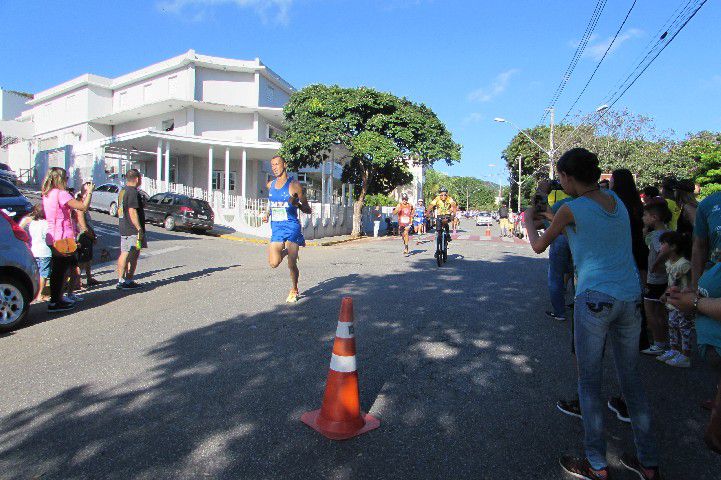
(263, 241)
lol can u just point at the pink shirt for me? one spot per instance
(58, 215)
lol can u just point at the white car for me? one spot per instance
(484, 218)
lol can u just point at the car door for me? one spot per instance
(166, 206)
(152, 207)
(112, 195)
(96, 202)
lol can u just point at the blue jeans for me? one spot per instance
(598, 316)
(559, 264)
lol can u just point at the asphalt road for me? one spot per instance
(205, 372)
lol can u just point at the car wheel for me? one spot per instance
(14, 302)
(169, 223)
(113, 209)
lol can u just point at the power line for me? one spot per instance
(600, 61)
(590, 27)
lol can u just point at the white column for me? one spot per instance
(351, 194)
(244, 171)
(210, 174)
(118, 163)
(330, 182)
(322, 183)
(159, 165)
(167, 167)
(344, 200)
(227, 176)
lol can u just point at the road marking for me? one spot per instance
(144, 254)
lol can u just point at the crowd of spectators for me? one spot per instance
(644, 272)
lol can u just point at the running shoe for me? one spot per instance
(644, 473)
(553, 316)
(618, 406)
(667, 355)
(680, 361)
(128, 286)
(580, 468)
(654, 350)
(571, 407)
(73, 298)
(60, 306)
(292, 297)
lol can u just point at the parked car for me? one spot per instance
(19, 276)
(105, 198)
(7, 174)
(173, 210)
(484, 218)
(12, 202)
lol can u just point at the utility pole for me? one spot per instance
(520, 159)
(551, 152)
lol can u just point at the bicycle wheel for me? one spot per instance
(439, 251)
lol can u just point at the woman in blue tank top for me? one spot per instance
(285, 198)
(607, 307)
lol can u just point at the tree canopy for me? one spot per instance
(377, 133)
(469, 192)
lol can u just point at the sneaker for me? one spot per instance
(618, 406)
(571, 407)
(654, 350)
(580, 468)
(60, 306)
(553, 316)
(73, 298)
(667, 355)
(644, 473)
(680, 360)
(128, 286)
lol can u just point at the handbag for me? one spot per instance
(65, 246)
(713, 431)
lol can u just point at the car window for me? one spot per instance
(4, 167)
(156, 198)
(102, 188)
(113, 189)
(199, 204)
(181, 200)
(7, 190)
(168, 200)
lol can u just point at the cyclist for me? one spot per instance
(445, 208)
(404, 210)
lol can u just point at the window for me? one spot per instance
(168, 125)
(113, 189)
(103, 188)
(273, 132)
(156, 198)
(219, 180)
(168, 200)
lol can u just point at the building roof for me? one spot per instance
(187, 58)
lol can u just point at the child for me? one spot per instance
(37, 228)
(680, 326)
(86, 239)
(656, 215)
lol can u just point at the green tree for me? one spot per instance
(469, 192)
(702, 151)
(376, 132)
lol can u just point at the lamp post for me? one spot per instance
(553, 149)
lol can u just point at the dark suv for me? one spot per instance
(173, 210)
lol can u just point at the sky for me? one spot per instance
(468, 60)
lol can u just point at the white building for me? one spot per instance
(195, 124)
(12, 105)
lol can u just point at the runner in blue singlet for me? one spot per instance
(285, 197)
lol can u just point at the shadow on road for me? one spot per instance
(457, 370)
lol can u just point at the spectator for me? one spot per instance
(650, 192)
(680, 325)
(687, 203)
(604, 184)
(37, 228)
(131, 223)
(58, 205)
(86, 240)
(503, 220)
(668, 191)
(656, 216)
(606, 309)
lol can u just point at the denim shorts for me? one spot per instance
(44, 266)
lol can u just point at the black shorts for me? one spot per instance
(654, 291)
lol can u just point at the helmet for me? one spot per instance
(443, 190)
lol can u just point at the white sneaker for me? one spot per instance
(667, 355)
(654, 350)
(74, 298)
(680, 360)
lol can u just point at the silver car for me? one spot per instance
(19, 275)
(105, 198)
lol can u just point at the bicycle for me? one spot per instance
(442, 239)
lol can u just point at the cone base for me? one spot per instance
(311, 419)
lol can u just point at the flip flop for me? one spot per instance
(292, 297)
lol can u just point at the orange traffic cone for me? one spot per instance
(339, 417)
(488, 232)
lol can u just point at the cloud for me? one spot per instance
(473, 118)
(497, 87)
(596, 48)
(269, 11)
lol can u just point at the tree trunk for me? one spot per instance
(358, 206)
